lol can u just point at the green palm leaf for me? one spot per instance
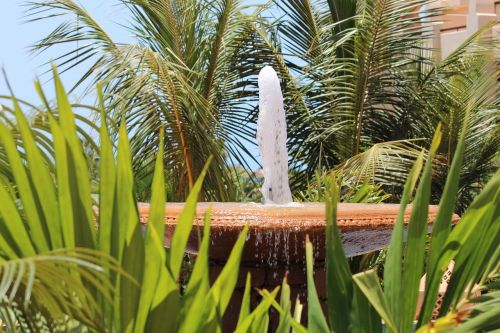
(55, 285)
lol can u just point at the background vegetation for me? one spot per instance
(364, 96)
(363, 90)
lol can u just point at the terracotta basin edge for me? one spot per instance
(309, 216)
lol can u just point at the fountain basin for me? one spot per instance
(277, 232)
(275, 244)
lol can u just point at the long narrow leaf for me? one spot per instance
(184, 225)
(154, 252)
(107, 185)
(26, 193)
(393, 287)
(259, 311)
(63, 173)
(223, 287)
(417, 230)
(369, 284)
(316, 320)
(81, 195)
(339, 280)
(42, 181)
(245, 302)
(442, 227)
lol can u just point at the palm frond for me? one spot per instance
(184, 75)
(385, 163)
(57, 289)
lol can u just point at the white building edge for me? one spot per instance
(461, 19)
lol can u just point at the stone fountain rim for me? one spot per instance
(310, 216)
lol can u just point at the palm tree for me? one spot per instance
(185, 76)
(365, 92)
(363, 89)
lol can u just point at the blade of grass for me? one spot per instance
(133, 263)
(26, 193)
(81, 195)
(297, 313)
(107, 184)
(370, 286)
(63, 185)
(185, 224)
(245, 303)
(285, 316)
(154, 252)
(15, 226)
(259, 311)
(472, 259)
(413, 265)
(338, 273)
(201, 267)
(223, 287)
(194, 301)
(316, 320)
(260, 323)
(167, 298)
(131, 242)
(293, 322)
(482, 208)
(393, 287)
(42, 181)
(473, 251)
(364, 317)
(126, 208)
(442, 227)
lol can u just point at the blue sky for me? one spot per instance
(16, 36)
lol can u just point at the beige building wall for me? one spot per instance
(461, 19)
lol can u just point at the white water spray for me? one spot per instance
(271, 137)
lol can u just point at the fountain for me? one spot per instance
(271, 137)
(278, 227)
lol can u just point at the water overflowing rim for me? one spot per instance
(232, 215)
